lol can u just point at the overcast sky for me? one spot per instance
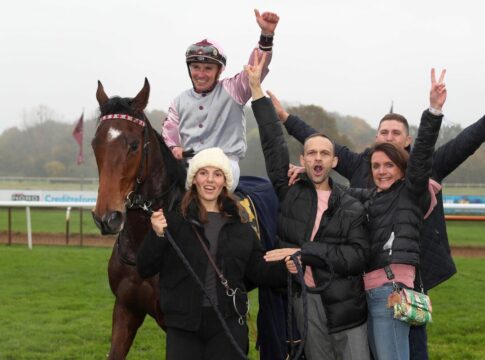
(350, 56)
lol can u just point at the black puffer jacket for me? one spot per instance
(239, 256)
(436, 262)
(341, 239)
(396, 214)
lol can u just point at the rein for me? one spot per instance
(296, 354)
(229, 292)
(300, 278)
(201, 286)
(194, 275)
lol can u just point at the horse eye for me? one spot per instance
(134, 146)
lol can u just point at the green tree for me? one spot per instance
(55, 168)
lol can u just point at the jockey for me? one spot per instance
(211, 113)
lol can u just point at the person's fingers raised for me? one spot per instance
(442, 76)
(433, 76)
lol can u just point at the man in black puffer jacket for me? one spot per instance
(436, 263)
(320, 218)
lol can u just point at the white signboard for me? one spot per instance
(49, 196)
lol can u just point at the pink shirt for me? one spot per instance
(403, 274)
(322, 205)
(434, 187)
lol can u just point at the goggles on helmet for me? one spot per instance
(204, 53)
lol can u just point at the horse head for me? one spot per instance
(132, 159)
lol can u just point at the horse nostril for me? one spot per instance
(110, 223)
(114, 221)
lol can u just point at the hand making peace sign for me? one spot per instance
(437, 93)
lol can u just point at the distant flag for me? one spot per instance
(77, 133)
(391, 110)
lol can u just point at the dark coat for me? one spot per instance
(435, 257)
(396, 214)
(239, 257)
(341, 240)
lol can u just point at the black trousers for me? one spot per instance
(209, 342)
(418, 343)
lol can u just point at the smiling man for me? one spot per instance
(211, 113)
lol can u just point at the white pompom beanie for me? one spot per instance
(214, 157)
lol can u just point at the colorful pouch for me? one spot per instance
(414, 308)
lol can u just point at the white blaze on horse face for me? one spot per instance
(113, 134)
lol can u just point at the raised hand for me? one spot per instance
(437, 93)
(280, 111)
(267, 21)
(254, 72)
(159, 223)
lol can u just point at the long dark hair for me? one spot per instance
(397, 154)
(225, 202)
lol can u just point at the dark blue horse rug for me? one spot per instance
(271, 321)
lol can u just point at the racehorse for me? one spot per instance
(137, 174)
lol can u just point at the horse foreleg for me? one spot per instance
(124, 328)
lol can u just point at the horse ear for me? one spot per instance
(141, 100)
(101, 95)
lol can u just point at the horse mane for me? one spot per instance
(178, 172)
(119, 105)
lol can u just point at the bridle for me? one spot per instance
(134, 200)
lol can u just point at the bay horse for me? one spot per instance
(137, 174)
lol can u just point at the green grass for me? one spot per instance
(466, 233)
(55, 303)
(47, 220)
(458, 327)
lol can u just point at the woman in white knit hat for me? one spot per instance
(209, 217)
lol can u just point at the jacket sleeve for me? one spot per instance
(273, 143)
(452, 154)
(421, 158)
(170, 129)
(151, 252)
(238, 85)
(346, 259)
(348, 161)
(298, 128)
(363, 195)
(262, 273)
(149, 256)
